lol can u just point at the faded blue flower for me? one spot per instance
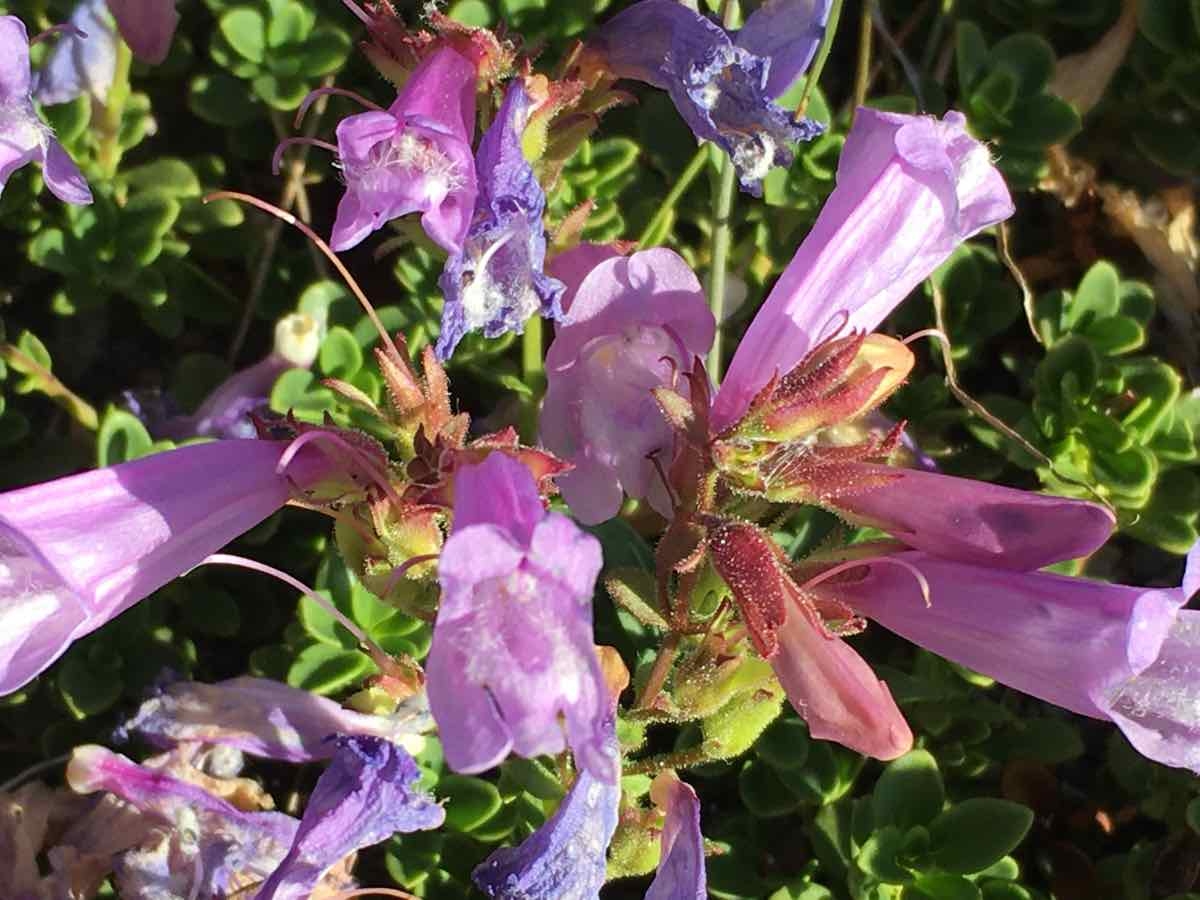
(496, 282)
(723, 84)
(368, 793)
(83, 62)
(680, 873)
(565, 858)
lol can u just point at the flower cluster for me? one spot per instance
(488, 539)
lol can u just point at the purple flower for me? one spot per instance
(82, 62)
(147, 26)
(635, 324)
(910, 189)
(225, 413)
(496, 281)
(207, 848)
(973, 521)
(368, 793)
(1129, 655)
(79, 551)
(414, 156)
(680, 873)
(263, 718)
(723, 85)
(565, 858)
(512, 659)
(24, 138)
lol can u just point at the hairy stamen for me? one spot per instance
(281, 148)
(317, 93)
(849, 564)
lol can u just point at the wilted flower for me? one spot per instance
(635, 324)
(147, 26)
(79, 551)
(83, 61)
(512, 657)
(496, 281)
(565, 858)
(680, 873)
(205, 847)
(24, 138)
(264, 718)
(909, 190)
(1129, 655)
(368, 793)
(723, 84)
(414, 156)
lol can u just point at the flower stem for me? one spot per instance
(722, 238)
(694, 168)
(533, 368)
(109, 155)
(814, 74)
(862, 73)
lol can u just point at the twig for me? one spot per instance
(1027, 298)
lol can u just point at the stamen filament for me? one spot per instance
(317, 93)
(922, 582)
(358, 11)
(287, 217)
(281, 148)
(400, 570)
(56, 30)
(377, 476)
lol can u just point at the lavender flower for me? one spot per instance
(496, 282)
(368, 793)
(909, 190)
(206, 848)
(263, 718)
(512, 657)
(565, 858)
(723, 85)
(82, 62)
(24, 138)
(635, 324)
(414, 156)
(79, 551)
(1129, 655)
(680, 873)
(147, 26)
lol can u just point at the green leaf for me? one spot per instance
(321, 626)
(971, 54)
(69, 120)
(221, 100)
(909, 791)
(472, 12)
(530, 775)
(324, 52)
(210, 611)
(121, 437)
(341, 356)
(246, 31)
(470, 802)
(1098, 296)
(878, 856)
(1029, 58)
(763, 793)
(290, 23)
(1039, 122)
(784, 745)
(170, 176)
(326, 670)
(939, 886)
(976, 833)
(87, 690)
(1004, 890)
(143, 223)
(283, 92)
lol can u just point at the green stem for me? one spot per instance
(722, 238)
(814, 74)
(694, 168)
(533, 367)
(109, 155)
(863, 73)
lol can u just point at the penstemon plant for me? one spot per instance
(668, 602)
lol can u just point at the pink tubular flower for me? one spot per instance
(513, 664)
(910, 189)
(413, 157)
(78, 551)
(633, 325)
(1128, 655)
(147, 26)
